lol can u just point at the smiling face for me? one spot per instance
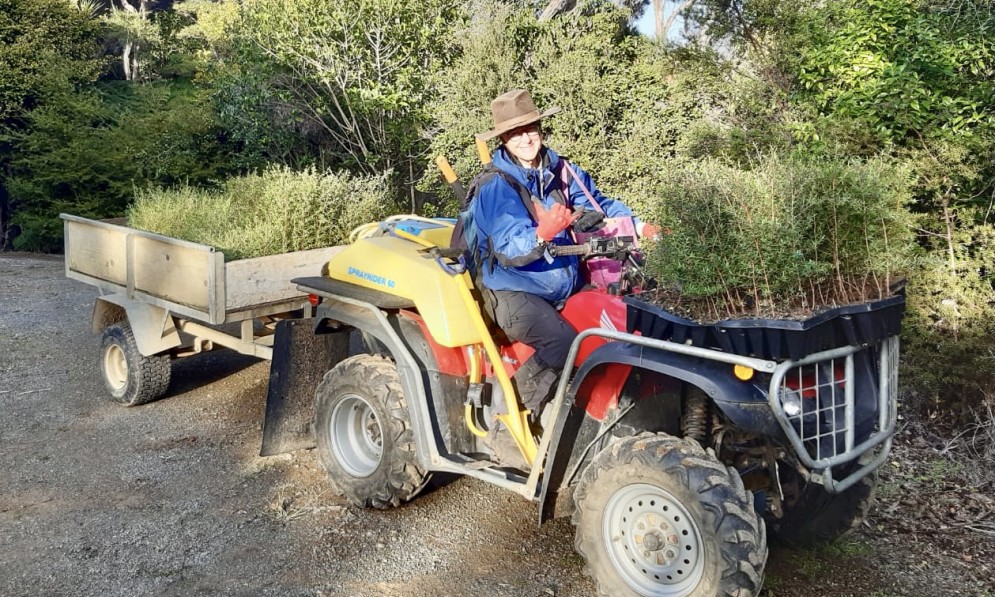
(524, 144)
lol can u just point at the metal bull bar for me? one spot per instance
(822, 467)
(821, 430)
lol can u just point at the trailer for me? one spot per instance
(163, 298)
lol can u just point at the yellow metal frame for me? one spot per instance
(440, 317)
(516, 420)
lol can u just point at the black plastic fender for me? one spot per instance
(300, 360)
(745, 403)
(305, 351)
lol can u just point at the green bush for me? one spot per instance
(609, 83)
(277, 211)
(790, 234)
(948, 336)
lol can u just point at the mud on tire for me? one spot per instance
(657, 515)
(363, 432)
(130, 377)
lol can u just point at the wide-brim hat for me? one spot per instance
(512, 110)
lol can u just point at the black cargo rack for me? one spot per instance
(860, 324)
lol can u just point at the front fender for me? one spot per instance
(714, 378)
(743, 402)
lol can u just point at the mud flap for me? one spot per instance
(300, 360)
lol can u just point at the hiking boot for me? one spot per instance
(534, 384)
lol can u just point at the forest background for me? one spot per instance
(756, 131)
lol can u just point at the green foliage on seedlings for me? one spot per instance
(791, 233)
(277, 211)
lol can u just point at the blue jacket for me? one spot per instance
(506, 232)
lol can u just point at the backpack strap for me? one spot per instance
(523, 193)
(567, 172)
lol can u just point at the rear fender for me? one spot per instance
(337, 314)
(154, 329)
(576, 426)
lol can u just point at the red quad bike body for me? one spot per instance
(587, 309)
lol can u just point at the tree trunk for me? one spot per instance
(665, 21)
(129, 54)
(557, 7)
(126, 61)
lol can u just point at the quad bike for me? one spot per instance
(674, 446)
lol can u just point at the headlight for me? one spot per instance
(791, 402)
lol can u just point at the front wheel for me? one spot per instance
(659, 516)
(131, 377)
(364, 436)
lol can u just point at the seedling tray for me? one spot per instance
(860, 324)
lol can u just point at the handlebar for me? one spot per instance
(596, 247)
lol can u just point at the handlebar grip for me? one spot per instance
(580, 250)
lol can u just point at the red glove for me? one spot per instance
(554, 220)
(651, 231)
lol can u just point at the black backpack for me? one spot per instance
(465, 233)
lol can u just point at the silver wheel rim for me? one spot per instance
(653, 542)
(115, 367)
(356, 436)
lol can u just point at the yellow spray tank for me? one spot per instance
(395, 257)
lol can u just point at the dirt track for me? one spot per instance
(171, 498)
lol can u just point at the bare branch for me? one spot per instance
(663, 26)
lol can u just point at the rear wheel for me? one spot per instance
(659, 516)
(813, 516)
(130, 377)
(364, 435)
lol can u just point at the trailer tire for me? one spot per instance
(363, 433)
(657, 515)
(131, 377)
(817, 517)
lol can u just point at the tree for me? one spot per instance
(556, 8)
(87, 152)
(47, 47)
(664, 20)
(349, 80)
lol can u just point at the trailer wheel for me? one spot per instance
(659, 516)
(814, 517)
(364, 437)
(131, 377)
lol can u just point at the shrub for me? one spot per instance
(948, 337)
(790, 234)
(277, 211)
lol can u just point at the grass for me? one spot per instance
(283, 507)
(277, 211)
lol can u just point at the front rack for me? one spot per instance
(814, 402)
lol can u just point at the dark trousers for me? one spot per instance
(532, 320)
